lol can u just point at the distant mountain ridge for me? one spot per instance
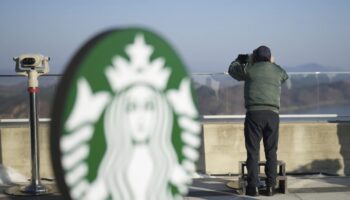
(315, 67)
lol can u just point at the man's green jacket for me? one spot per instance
(262, 88)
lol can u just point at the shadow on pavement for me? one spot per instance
(48, 197)
(344, 141)
(54, 196)
(319, 190)
(213, 188)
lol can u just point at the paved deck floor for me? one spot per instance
(313, 187)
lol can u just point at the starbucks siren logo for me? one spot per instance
(141, 160)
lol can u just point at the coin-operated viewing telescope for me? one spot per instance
(32, 66)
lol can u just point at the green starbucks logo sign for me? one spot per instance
(125, 125)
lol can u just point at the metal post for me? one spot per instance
(35, 187)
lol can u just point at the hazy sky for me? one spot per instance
(207, 34)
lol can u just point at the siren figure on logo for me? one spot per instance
(140, 161)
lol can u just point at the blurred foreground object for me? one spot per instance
(125, 125)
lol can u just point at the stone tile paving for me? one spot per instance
(316, 187)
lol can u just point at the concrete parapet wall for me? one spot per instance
(305, 147)
(15, 149)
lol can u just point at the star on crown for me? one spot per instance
(140, 69)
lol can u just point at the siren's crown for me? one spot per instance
(140, 69)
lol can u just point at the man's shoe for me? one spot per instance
(252, 191)
(270, 191)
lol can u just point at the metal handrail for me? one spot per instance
(291, 73)
(22, 121)
(210, 117)
(203, 73)
(283, 118)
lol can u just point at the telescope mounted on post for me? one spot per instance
(32, 66)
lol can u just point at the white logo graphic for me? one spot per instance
(140, 161)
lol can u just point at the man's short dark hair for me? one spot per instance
(262, 53)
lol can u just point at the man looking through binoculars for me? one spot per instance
(262, 92)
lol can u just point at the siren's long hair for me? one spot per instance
(114, 166)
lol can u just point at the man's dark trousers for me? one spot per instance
(261, 124)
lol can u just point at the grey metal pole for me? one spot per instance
(35, 186)
(34, 138)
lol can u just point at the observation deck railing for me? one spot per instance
(306, 96)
